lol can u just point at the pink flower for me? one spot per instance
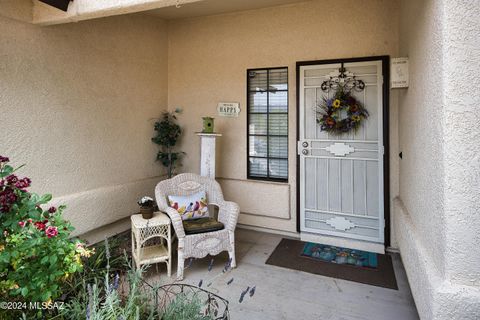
(21, 223)
(51, 231)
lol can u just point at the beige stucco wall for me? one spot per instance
(208, 59)
(436, 214)
(75, 104)
(17, 9)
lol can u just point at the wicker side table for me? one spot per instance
(151, 240)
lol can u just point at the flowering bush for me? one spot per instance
(36, 253)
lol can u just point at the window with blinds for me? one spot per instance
(267, 108)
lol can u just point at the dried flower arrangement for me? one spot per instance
(340, 114)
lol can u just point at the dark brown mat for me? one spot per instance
(288, 255)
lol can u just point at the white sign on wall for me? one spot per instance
(399, 73)
(228, 109)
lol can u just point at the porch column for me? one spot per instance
(207, 159)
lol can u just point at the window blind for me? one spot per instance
(267, 123)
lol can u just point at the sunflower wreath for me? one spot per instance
(343, 113)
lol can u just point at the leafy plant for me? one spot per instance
(109, 288)
(104, 302)
(104, 260)
(185, 307)
(36, 253)
(168, 133)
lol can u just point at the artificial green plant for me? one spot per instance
(167, 135)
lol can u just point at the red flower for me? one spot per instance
(51, 231)
(23, 183)
(40, 225)
(330, 122)
(12, 179)
(52, 210)
(4, 159)
(21, 223)
(353, 108)
(7, 197)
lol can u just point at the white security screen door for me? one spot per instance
(342, 176)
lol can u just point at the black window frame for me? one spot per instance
(267, 178)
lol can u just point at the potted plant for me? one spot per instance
(168, 133)
(146, 207)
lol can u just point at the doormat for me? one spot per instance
(340, 255)
(289, 254)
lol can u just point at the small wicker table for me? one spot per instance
(148, 240)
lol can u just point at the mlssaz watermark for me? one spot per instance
(33, 305)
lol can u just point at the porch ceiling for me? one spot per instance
(37, 12)
(78, 10)
(212, 7)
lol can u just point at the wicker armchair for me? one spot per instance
(199, 245)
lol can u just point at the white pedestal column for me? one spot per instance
(207, 160)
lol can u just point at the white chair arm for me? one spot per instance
(176, 221)
(228, 214)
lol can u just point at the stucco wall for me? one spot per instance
(436, 214)
(462, 156)
(17, 9)
(75, 104)
(208, 59)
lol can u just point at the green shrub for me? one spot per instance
(36, 253)
(185, 307)
(101, 299)
(104, 260)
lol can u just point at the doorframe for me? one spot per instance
(386, 131)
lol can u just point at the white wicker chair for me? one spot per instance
(199, 245)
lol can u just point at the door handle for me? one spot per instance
(301, 147)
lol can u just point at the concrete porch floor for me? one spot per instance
(289, 294)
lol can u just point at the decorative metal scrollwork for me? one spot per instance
(342, 79)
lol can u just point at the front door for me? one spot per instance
(342, 175)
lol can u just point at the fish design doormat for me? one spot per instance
(376, 269)
(340, 255)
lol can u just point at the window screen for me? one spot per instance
(267, 108)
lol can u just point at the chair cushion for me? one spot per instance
(202, 225)
(190, 207)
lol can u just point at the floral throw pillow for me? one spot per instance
(190, 207)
